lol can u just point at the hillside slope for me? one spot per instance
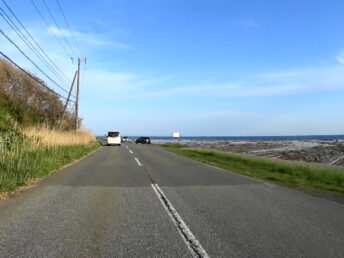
(25, 102)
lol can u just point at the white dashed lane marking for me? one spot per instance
(138, 162)
(131, 151)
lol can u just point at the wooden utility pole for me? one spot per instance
(77, 99)
(76, 122)
(65, 107)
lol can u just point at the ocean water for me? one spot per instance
(265, 138)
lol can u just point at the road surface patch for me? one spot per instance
(189, 238)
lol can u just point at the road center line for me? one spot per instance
(190, 240)
(138, 162)
(131, 151)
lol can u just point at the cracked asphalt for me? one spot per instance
(104, 206)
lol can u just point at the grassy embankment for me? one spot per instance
(34, 153)
(297, 174)
(28, 148)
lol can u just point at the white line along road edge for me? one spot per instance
(138, 162)
(190, 240)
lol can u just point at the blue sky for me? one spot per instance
(200, 67)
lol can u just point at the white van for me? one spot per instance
(113, 138)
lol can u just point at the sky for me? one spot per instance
(203, 68)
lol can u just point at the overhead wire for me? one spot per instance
(32, 38)
(58, 27)
(32, 77)
(28, 43)
(47, 24)
(28, 58)
(37, 53)
(71, 32)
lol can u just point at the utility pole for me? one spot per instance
(77, 96)
(77, 99)
(65, 107)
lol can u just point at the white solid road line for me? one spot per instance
(131, 151)
(190, 240)
(271, 185)
(138, 162)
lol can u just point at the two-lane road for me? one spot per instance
(140, 201)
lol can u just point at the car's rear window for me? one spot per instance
(113, 134)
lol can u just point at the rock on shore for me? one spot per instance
(329, 152)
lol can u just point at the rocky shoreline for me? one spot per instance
(330, 152)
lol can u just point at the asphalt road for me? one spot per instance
(140, 201)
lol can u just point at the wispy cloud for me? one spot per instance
(88, 38)
(58, 32)
(248, 23)
(292, 82)
(106, 84)
(88, 42)
(340, 58)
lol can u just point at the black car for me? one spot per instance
(143, 140)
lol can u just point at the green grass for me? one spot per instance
(293, 173)
(25, 104)
(18, 167)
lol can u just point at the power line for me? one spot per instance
(46, 23)
(28, 43)
(71, 32)
(68, 80)
(58, 27)
(35, 79)
(28, 58)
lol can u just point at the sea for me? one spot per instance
(265, 138)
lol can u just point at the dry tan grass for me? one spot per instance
(38, 138)
(49, 137)
(23, 158)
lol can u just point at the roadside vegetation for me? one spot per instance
(30, 145)
(307, 176)
(25, 102)
(24, 158)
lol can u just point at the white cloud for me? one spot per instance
(248, 23)
(88, 42)
(59, 32)
(340, 58)
(107, 83)
(293, 82)
(88, 38)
